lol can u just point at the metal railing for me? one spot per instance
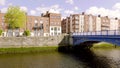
(107, 32)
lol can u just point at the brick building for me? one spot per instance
(54, 23)
(48, 24)
(89, 23)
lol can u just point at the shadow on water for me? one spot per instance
(83, 54)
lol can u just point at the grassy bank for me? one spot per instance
(28, 50)
(104, 45)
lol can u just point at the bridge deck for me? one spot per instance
(104, 36)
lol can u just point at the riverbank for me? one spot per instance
(28, 50)
(104, 45)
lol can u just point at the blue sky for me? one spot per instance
(65, 7)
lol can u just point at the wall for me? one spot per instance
(6, 42)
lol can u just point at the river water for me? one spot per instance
(98, 58)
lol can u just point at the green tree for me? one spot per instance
(26, 33)
(15, 17)
(1, 32)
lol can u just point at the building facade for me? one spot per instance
(48, 24)
(89, 23)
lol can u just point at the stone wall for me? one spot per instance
(6, 42)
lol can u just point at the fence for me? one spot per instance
(107, 32)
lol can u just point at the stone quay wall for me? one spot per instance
(15, 42)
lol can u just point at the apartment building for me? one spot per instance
(39, 26)
(54, 23)
(114, 24)
(79, 23)
(63, 25)
(3, 26)
(48, 24)
(105, 23)
(98, 23)
(89, 23)
(66, 25)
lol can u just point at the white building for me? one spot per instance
(114, 24)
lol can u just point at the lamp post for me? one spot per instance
(41, 28)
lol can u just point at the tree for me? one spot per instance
(1, 32)
(15, 18)
(26, 33)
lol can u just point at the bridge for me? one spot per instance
(110, 36)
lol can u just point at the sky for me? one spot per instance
(109, 8)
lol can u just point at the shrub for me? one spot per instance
(1, 32)
(26, 33)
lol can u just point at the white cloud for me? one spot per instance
(10, 4)
(2, 2)
(24, 8)
(69, 1)
(53, 9)
(113, 12)
(68, 12)
(4, 10)
(32, 12)
(76, 8)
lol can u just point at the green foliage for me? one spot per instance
(1, 32)
(103, 44)
(26, 33)
(15, 17)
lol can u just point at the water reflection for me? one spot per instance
(109, 56)
(49, 60)
(82, 59)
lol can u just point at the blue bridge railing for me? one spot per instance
(107, 32)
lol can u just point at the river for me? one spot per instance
(98, 58)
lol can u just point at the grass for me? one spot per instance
(28, 50)
(103, 45)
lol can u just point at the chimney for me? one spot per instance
(99, 15)
(47, 12)
(116, 18)
(42, 15)
(83, 13)
(106, 16)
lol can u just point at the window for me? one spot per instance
(58, 33)
(30, 19)
(41, 26)
(51, 28)
(46, 34)
(76, 17)
(76, 22)
(52, 34)
(55, 29)
(36, 24)
(58, 29)
(36, 21)
(41, 22)
(55, 33)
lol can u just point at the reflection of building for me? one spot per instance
(48, 24)
(89, 23)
